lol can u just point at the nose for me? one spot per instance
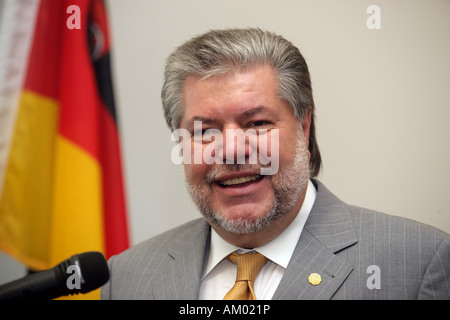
(239, 146)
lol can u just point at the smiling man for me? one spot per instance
(281, 235)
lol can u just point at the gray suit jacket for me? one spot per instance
(359, 253)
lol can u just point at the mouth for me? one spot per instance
(239, 182)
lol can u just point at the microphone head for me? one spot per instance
(80, 273)
(94, 270)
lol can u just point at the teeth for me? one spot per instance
(239, 180)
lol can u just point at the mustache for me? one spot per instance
(220, 170)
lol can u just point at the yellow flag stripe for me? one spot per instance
(77, 222)
(51, 202)
(25, 203)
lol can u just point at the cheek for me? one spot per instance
(195, 173)
(193, 165)
(287, 152)
(269, 152)
(287, 147)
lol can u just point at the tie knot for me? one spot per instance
(248, 265)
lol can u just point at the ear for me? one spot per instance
(306, 125)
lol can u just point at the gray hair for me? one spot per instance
(220, 51)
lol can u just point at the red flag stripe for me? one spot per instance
(80, 101)
(115, 220)
(44, 59)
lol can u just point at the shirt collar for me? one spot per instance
(279, 250)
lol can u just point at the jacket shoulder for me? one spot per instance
(412, 258)
(394, 227)
(140, 262)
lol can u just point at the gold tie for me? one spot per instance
(248, 266)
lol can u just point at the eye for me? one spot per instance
(200, 132)
(205, 135)
(259, 123)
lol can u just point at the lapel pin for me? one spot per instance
(314, 279)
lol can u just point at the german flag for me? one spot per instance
(62, 189)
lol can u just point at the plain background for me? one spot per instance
(382, 99)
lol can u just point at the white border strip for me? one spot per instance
(17, 24)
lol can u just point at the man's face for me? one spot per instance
(236, 197)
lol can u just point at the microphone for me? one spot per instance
(81, 273)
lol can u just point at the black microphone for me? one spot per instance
(81, 273)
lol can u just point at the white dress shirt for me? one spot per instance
(219, 274)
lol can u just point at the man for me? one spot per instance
(298, 239)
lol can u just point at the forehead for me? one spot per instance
(230, 93)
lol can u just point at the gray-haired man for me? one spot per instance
(311, 244)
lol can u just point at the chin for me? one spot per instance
(245, 221)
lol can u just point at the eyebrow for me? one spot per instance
(202, 119)
(245, 114)
(252, 112)
(190, 122)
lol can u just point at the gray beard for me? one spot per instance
(288, 184)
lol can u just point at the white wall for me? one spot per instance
(382, 98)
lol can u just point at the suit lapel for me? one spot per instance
(310, 257)
(328, 230)
(180, 272)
